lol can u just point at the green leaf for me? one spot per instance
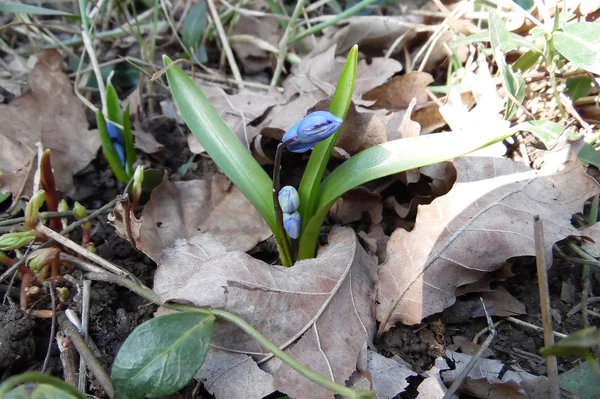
(8, 6)
(546, 131)
(527, 60)
(321, 153)
(515, 84)
(41, 391)
(582, 381)
(577, 343)
(589, 155)
(38, 385)
(580, 44)
(109, 150)
(5, 196)
(221, 143)
(193, 27)
(387, 159)
(578, 87)
(502, 38)
(162, 355)
(113, 105)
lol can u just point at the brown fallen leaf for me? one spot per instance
(376, 33)
(498, 302)
(51, 114)
(488, 379)
(182, 209)
(386, 376)
(398, 92)
(485, 219)
(319, 73)
(354, 203)
(252, 58)
(320, 310)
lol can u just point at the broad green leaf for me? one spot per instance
(321, 153)
(109, 150)
(221, 143)
(578, 87)
(589, 155)
(162, 355)
(546, 131)
(9, 6)
(387, 159)
(41, 391)
(581, 381)
(502, 38)
(5, 196)
(577, 343)
(527, 60)
(580, 44)
(193, 26)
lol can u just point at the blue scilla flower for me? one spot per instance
(289, 201)
(314, 127)
(118, 143)
(292, 224)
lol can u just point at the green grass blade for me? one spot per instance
(387, 159)
(109, 151)
(321, 153)
(221, 143)
(9, 6)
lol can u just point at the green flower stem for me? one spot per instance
(148, 294)
(39, 378)
(319, 27)
(287, 258)
(280, 354)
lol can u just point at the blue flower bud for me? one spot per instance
(118, 142)
(289, 199)
(292, 224)
(314, 127)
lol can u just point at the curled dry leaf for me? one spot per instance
(386, 376)
(498, 302)
(51, 114)
(320, 310)
(485, 219)
(182, 209)
(354, 203)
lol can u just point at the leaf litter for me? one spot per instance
(475, 215)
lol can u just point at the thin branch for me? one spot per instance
(224, 42)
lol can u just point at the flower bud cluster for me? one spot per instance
(289, 201)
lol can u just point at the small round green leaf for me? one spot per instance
(162, 355)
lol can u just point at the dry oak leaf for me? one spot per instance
(318, 74)
(485, 219)
(375, 33)
(182, 209)
(489, 379)
(398, 92)
(253, 58)
(320, 310)
(386, 376)
(51, 114)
